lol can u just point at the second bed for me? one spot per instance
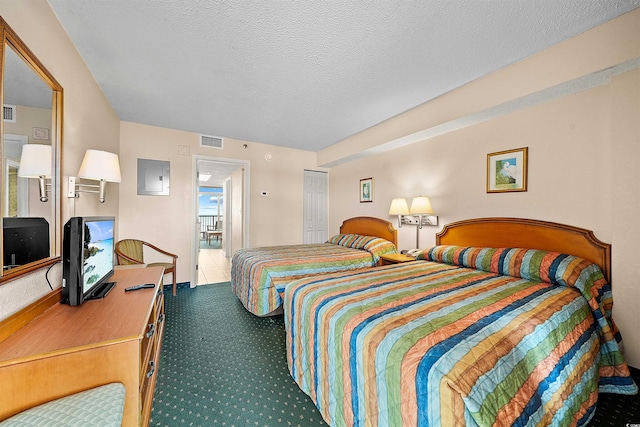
(259, 275)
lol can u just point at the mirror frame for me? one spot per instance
(9, 37)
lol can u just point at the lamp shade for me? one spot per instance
(100, 165)
(421, 206)
(399, 207)
(35, 161)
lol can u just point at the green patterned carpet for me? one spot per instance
(222, 366)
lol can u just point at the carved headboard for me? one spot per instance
(369, 226)
(528, 233)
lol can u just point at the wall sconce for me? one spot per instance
(422, 206)
(98, 166)
(421, 213)
(399, 207)
(35, 162)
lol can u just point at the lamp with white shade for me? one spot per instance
(399, 207)
(97, 165)
(35, 162)
(420, 213)
(421, 206)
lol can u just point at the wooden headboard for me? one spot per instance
(528, 233)
(369, 226)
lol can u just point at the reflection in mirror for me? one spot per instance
(31, 215)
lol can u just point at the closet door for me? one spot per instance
(316, 221)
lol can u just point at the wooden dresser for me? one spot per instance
(66, 349)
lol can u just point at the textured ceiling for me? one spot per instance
(305, 74)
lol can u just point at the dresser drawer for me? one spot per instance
(149, 339)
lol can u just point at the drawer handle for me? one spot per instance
(152, 330)
(152, 370)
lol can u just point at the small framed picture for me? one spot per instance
(41, 134)
(366, 190)
(507, 171)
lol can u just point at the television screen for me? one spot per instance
(98, 251)
(24, 240)
(87, 258)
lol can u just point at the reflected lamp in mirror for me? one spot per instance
(421, 206)
(399, 207)
(35, 162)
(99, 166)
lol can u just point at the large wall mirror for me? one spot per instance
(32, 117)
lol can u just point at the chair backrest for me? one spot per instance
(219, 225)
(132, 249)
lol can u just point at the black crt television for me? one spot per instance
(87, 259)
(24, 240)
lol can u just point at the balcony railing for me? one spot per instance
(209, 221)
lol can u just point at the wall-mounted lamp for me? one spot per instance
(98, 166)
(422, 206)
(399, 207)
(420, 213)
(35, 162)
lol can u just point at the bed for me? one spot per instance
(259, 275)
(495, 325)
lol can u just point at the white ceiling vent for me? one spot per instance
(9, 113)
(211, 141)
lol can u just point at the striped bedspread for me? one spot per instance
(431, 344)
(259, 275)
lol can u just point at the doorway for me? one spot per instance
(221, 209)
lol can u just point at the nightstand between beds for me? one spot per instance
(389, 259)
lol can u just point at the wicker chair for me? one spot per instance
(131, 251)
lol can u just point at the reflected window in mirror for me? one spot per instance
(32, 101)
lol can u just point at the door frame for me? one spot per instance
(194, 207)
(14, 143)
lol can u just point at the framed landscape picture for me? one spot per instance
(507, 171)
(366, 190)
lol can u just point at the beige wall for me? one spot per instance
(27, 119)
(584, 147)
(569, 148)
(625, 201)
(168, 221)
(89, 122)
